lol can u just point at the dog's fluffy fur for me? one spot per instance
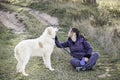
(42, 46)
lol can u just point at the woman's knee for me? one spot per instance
(75, 62)
(96, 54)
(72, 60)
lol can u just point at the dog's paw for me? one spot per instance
(26, 74)
(52, 69)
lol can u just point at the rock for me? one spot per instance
(11, 22)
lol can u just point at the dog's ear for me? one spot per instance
(49, 31)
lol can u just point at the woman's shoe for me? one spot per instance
(78, 69)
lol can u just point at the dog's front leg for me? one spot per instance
(47, 61)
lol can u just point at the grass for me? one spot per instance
(37, 70)
(60, 60)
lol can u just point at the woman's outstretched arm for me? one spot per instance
(61, 45)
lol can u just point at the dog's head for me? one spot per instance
(51, 31)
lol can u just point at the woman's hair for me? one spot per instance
(75, 30)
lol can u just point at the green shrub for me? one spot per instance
(115, 13)
(40, 6)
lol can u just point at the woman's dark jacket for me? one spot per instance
(78, 49)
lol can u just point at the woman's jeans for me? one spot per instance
(89, 65)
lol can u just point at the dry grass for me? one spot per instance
(109, 3)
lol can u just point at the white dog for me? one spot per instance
(42, 46)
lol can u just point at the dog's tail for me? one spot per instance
(18, 58)
(16, 54)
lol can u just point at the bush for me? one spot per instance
(40, 6)
(115, 13)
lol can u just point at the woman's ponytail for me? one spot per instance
(83, 36)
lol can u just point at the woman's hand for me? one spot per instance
(56, 38)
(86, 59)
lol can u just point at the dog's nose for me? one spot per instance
(59, 29)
